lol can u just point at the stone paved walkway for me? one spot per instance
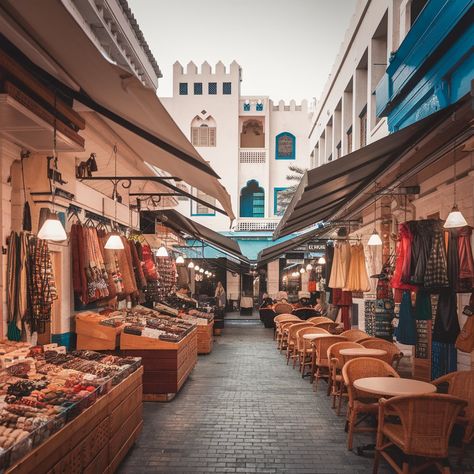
(243, 410)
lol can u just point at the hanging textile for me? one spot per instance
(95, 267)
(13, 282)
(114, 281)
(340, 265)
(128, 256)
(446, 327)
(328, 270)
(436, 274)
(403, 258)
(149, 266)
(406, 330)
(423, 306)
(465, 282)
(444, 359)
(137, 266)
(357, 277)
(343, 300)
(422, 243)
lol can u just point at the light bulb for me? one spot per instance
(302, 270)
(374, 239)
(52, 229)
(455, 219)
(190, 265)
(201, 270)
(114, 242)
(162, 252)
(180, 260)
(322, 261)
(196, 268)
(309, 267)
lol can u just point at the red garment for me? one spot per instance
(343, 299)
(466, 261)
(403, 260)
(346, 317)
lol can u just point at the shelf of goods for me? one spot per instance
(67, 412)
(166, 344)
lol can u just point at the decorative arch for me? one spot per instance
(285, 146)
(203, 131)
(253, 135)
(252, 200)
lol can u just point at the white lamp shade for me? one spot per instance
(302, 270)
(180, 260)
(52, 229)
(201, 270)
(190, 265)
(309, 267)
(374, 239)
(162, 252)
(114, 242)
(455, 219)
(196, 268)
(322, 261)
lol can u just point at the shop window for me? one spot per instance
(183, 88)
(279, 201)
(363, 127)
(227, 88)
(203, 132)
(252, 200)
(198, 209)
(285, 146)
(212, 88)
(349, 140)
(252, 135)
(198, 88)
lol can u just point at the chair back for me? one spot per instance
(322, 346)
(334, 355)
(305, 313)
(360, 368)
(320, 319)
(283, 318)
(330, 326)
(266, 313)
(393, 355)
(303, 343)
(294, 329)
(427, 422)
(354, 334)
(283, 308)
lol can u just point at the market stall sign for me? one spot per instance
(314, 247)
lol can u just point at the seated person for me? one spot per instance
(267, 302)
(282, 296)
(303, 300)
(320, 307)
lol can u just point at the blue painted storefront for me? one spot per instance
(433, 67)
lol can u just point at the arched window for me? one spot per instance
(252, 200)
(252, 135)
(203, 131)
(285, 145)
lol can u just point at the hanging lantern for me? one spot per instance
(309, 267)
(322, 261)
(455, 219)
(180, 260)
(190, 265)
(374, 239)
(52, 229)
(302, 270)
(162, 252)
(201, 270)
(114, 242)
(196, 268)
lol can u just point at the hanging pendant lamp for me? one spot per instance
(455, 217)
(180, 260)
(52, 229)
(190, 265)
(321, 261)
(309, 267)
(375, 239)
(114, 242)
(162, 252)
(302, 270)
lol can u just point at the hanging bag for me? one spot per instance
(465, 339)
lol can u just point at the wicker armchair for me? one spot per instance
(330, 326)
(304, 347)
(320, 319)
(291, 349)
(283, 308)
(426, 422)
(461, 384)
(336, 361)
(279, 320)
(362, 403)
(354, 335)
(267, 315)
(285, 328)
(393, 355)
(305, 313)
(319, 359)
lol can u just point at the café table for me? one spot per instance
(353, 352)
(392, 386)
(313, 337)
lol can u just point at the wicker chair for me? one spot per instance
(292, 343)
(362, 402)
(320, 319)
(319, 359)
(304, 348)
(336, 361)
(354, 335)
(305, 313)
(267, 315)
(283, 308)
(393, 355)
(426, 422)
(461, 384)
(280, 319)
(330, 326)
(285, 328)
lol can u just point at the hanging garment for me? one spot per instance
(422, 244)
(452, 257)
(423, 306)
(444, 359)
(128, 256)
(137, 266)
(149, 267)
(26, 217)
(343, 300)
(436, 274)
(114, 281)
(407, 261)
(340, 265)
(357, 277)
(403, 258)
(465, 283)
(96, 273)
(446, 328)
(406, 329)
(327, 269)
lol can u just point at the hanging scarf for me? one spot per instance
(436, 275)
(446, 327)
(406, 330)
(465, 281)
(403, 258)
(137, 266)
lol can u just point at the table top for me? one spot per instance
(312, 337)
(362, 351)
(392, 386)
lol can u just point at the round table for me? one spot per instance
(312, 337)
(392, 386)
(353, 352)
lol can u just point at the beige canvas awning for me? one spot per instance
(50, 37)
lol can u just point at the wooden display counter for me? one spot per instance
(94, 336)
(205, 338)
(97, 440)
(167, 365)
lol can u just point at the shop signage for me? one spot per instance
(315, 246)
(297, 261)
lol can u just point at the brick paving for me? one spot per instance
(243, 410)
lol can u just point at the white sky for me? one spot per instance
(286, 48)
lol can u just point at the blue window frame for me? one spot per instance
(212, 88)
(246, 107)
(252, 200)
(277, 207)
(227, 88)
(183, 88)
(198, 88)
(285, 146)
(259, 107)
